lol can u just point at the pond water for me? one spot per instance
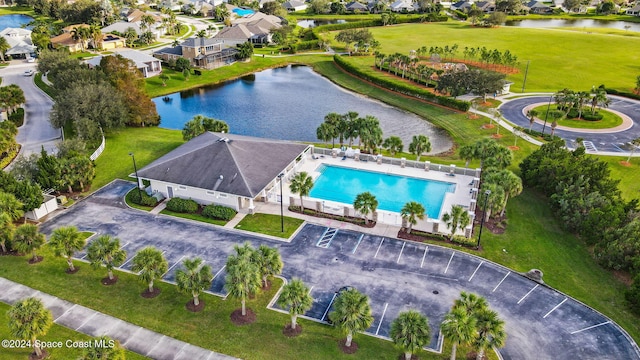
(309, 23)
(579, 23)
(288, 103)
(14, 21)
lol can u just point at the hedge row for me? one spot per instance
(218, 212)
(402, 87)
(182, 205)
(623, 93)
(378, 22)
(460, 14)
(588, 116)
(134, 197)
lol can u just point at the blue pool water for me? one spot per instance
(242, 12)
(341, 184)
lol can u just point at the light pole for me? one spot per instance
(484, 213)
(135, 168)
(281, 204)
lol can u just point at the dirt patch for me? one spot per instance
(239, 320)
(497, 136)
(193, 307)
(267, 286)
(35, 260)
(513, 148)
(108, 282)
(625, 163)
(474, 117)
(289, 332)
(150, 294)
(623, 276)
(70, 272)
(34, 356)
(488, 126)
(347, 349)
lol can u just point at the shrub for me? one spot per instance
(182, 205)
(17, 117)
(459, 239)
(134, 197)
(632, 294)
(218, 212)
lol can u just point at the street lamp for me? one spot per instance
(484, 214)
(281, 204)
(135, 168)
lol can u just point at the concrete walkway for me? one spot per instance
(93, 323)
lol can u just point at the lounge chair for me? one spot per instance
(344, 157)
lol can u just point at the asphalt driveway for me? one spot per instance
(541, 323)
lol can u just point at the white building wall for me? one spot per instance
(49, 205)
(201, 196)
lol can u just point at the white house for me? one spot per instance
(19, 40)
(402, 6)
(147, 64)
(223, 169)
(294, 5)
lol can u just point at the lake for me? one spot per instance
(311, 23)
(14, 21)
(289, 103)
(579, 23)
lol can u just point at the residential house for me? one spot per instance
(147, 64)
(255, 28)
(66, 40)
(208, 53)
(20, 44)
(403, 6)
(356, 7)
(486, 6)
(634, 11)
(463, 6)
(294, 5)
(537, 7)
(110, 42)
(224, 169)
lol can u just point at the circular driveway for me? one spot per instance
(615, 141)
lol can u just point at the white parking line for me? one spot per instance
(400, 255)
(376, 255)
(449, 263)
(426, 248)
(328, 307)
(311, 289)
(125, 263)
(128, 242)
(358, 244)
(218, 273)
(382, 317)
(554, 309)
(527, 294)
(591, 327)
(474, 273)
(496, 288)
(169, 269)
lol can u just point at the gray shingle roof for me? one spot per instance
(247, 164)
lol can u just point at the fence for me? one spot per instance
(99, 150)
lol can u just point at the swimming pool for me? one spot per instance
(341, 184)
(242, 12)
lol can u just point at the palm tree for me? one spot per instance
(339, 125)
(411, 212)
(470, 303)
(532, 117)
(490, 331)
(517, 131)
(269, 262)
(4, 46)
(27, 238)
(103, 348)
(634, 144)
(7, 229)
(106, 251)
(195, 277)
(28, 320)
(467, 153)
(11, 206)
(500, 157)
(351, 313)
(301, 184)
(164, 77)
(365, 203)
(243, 277)
(419, 145)
(297, 297)
(393, 144)
(458, 218)
(201, 34)
(65, 241)
(458, 327)
(410, 332)
(150, 264)
(510, 183)
(326, 132)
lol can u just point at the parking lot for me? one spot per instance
(541, 323)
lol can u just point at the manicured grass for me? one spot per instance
(559, 59)
(269, 224)
(629, 176)
(194, 217)
(25, 10)
(609, 119)
(147, 144)
(56, 333)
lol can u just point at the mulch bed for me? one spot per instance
(488, 126)
(289, 332)
(497, 136)
(625, 163)
(266, 287)
(9, 253)
(150, 295)
(350, 219)
(239, 320)
(413, 357)
(513, 148)
(75, 270)
(34, 356)
(35, 260)
(194, 308)
(347, 349)
(108, 282)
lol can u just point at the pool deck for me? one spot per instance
(462, 195)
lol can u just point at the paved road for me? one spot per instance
(608, 142)
(36, 131)
(541, 323)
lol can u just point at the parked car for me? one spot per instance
(31, 60)
(29, 72)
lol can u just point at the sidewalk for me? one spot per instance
(93, 323)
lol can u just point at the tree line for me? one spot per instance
(90, 101)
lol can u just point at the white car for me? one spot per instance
(29, 72)
(31, 60)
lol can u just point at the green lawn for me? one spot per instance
(559, 59)
(609, 119)
(629, 176)
(269, 224)
(56, 333)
